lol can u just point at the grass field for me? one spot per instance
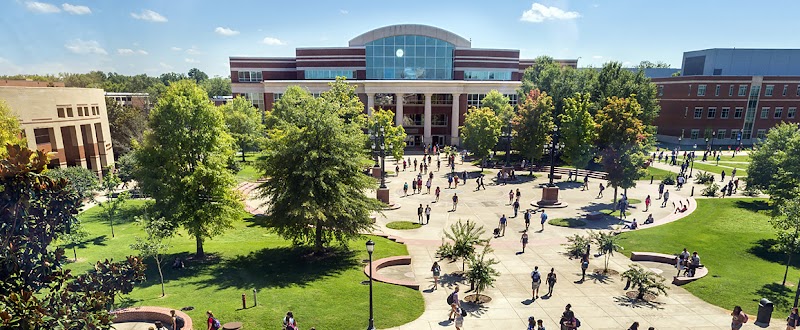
(712, 167)
(657, 174)
(614, 213)
(325, 293)
(732, 237)
(567, 222)
(403, 225)
(248, 170)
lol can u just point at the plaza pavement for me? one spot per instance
(599, 302)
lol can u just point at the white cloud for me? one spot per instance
(272, 41)
(597, 57)
(193, 51)
(540, 13)
(76, 10)
(79, 46)
(225, 31)
(177, 49)
(191, 60)
(149, 15)
(128, 51)
(41, 7)
(165, 65)
(344, 12)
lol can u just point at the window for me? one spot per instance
(412, 119)
(60, 112)
(721, 133)
(250, 76)
(778, 113)
(412, 57)
(764, 112)
(42, 135)
(277, 96)
(798, 89)
(417, 98)
(256, 98)
(328, 74)
(660, 90)
(761, 133)
(695, 133)
(742, 90)
(486, 75)
(438, 119)
(701, 90)
(724, 113)
(698, 113)
(737, 114)
(716, 91)
(690, 90)
(712, 113)
(474, 100)
(730, 90)
(512, 99)
(69, 112)
(785, 90)
(791, 113)
(442, 99)
(768, 90)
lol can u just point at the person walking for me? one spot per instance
(455, 202)
(177, 322)
(405, 189)
(213, 323)
(404, 165)
(568, 320)
(733, 173)
(531, 323)
(634, 326)
(428, 185)
(647, 203)
(524, 241)
(723, 176)
(510, 196)
(544, 218)
(503, 221)
(600, 194)
(738, 317)
(660, 190)
(415, 165)
(586, 182)
(584, 267)
(438, 191)
(527, 217)
(536, 281)
(420, 210)
(482, 185)
(460, 318)
(539, 325)
(793, 321)
(551, 281)
(414, 186)
(397, 170)
(666, 198)
(427, 214)
(518, 194)
(454, 303)
(516, 207)
(289, 321)
(449, 181)
(438, 164)
(455, 179)
(436, 270)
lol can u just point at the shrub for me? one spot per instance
(645, 281)
(577, 245)
(750, 190)
(710, 190)
(446, 251)
(669, 179)
(703, 177)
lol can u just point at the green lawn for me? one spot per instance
(712, 167)
(657, 174)
(248, 170)
(614, 213)
(732, 237)
(402, 225)
(567, 222)
(325, 293)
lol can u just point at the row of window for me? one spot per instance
(723, 134)
(418, 119)
(486, 75)
(329, 74)
(66, 112)
(701, 90)
(724, 113)
(250, 76)
(474, 100)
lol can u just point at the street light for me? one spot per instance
(380, 150)
(370, 248)
(508, 144)
(553, 143)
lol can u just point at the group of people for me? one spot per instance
(687, 263)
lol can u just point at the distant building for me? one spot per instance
(221, 100)
(71, 123)
(741, 62)
(428, 76)
(137, 100)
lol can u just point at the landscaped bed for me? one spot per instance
(403, 225)
(567, 222)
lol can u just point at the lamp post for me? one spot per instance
(370, 248)
(508, 145)
(379, 148)
(552, 145)
(713, 135)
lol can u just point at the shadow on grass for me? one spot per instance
(758, 206)
(778, 294)
(761, 249)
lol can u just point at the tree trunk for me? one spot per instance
(607, 255)
(160, 275)
(463, 265)
(318, 236)
(615, 195)
(111, 216)
(75, 259)
(199, 242)
(786, 272)
(243, 159)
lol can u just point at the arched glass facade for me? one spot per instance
(409, 57)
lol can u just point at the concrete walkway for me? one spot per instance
(599, 302)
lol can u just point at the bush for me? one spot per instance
(710, 190)
(446, 251)
(750, 190)
(703, 177)
(577, 245)
(669, 179)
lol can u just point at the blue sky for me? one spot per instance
(156, 36)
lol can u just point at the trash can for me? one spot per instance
(764, 311)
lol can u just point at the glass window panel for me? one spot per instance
(409, 51)
(388, 41)
(378, 42)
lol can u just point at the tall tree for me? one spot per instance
(343, 99)
(480, 132)
(217, 86)
(577, 131)
(182, 163)
(10, 131)
(623, 139)
(499, 103)
(787, 223)
(114, 203)
(315, 160)
(126, 124)
(533, 124)
(197, 75)
(614, 80)
(560, 82)
(394, 135)
(775, 164)
(481, 270)
(244, 123)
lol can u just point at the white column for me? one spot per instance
(426, 137)
(454, 118)
(370, 103)
(398, 119)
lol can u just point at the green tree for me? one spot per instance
(787, 223)
(159, 231)
(183, 163)
(533, 124)
(126, 124)
(394, 135)
(480, 132)
(126, 167)
(343, 99)
(623, 140)
(481, 270)
(244, 123)
(113, 205)
(614, 80)
(649, 65)
(645, 281)
(577, 245)
(168, 78)
(499, 103)
(315, 159)
(464, 236)
(607, 243)
(35, 289)
(197, 75)
(560, 82)
(775, 164)
(80, 179)
(75, 237)
(9, 129)
(577, 131)
(217, 86)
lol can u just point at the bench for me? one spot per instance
(581, 173)
(150, 314)
(698, 273)
(386, 262)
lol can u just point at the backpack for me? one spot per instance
(577, 322)
(215, 323)
(450, 299)
(463, 312)
(536, 277)
(179, 322)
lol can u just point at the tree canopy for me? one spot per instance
(393, 135)
(499, 104)
(197, 75)
(481, 131)
(577, 131)
(126, 124)
(79, 179)
(244, 124)
(775, 164)
(623, 140)
(9, 129)
(217, 86)
(182, 163)
(533, 124)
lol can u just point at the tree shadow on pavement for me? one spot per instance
(624, 301)
(452, 279)
(599, 277)
(473, 309)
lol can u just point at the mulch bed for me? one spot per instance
(606, 272)
(633, 294)
(478, 298)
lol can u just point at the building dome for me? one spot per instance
(410, 29)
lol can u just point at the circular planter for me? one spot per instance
(477, 299)
(647, 297)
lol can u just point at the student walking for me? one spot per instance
(527, 217)
(405, 189)
(666, 198)
(510, 196)
(454, 303)
(738, 317)
(516, 207)
(586, 182)
(428, 185)
(584, 267)
(455, 179)
(536, 281)
(660, 190)
(647, 203)
(449, 181)
(524, 241)
(482, 185)
(427, 214)
(793, 321)
(723, 176)
(600, 194)
(420, 210)
(438, 191)
(436, 270)
(518, 194)
(544, 218)
(455, 202)
(502, 227)
(551, 281)
(414, 186)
